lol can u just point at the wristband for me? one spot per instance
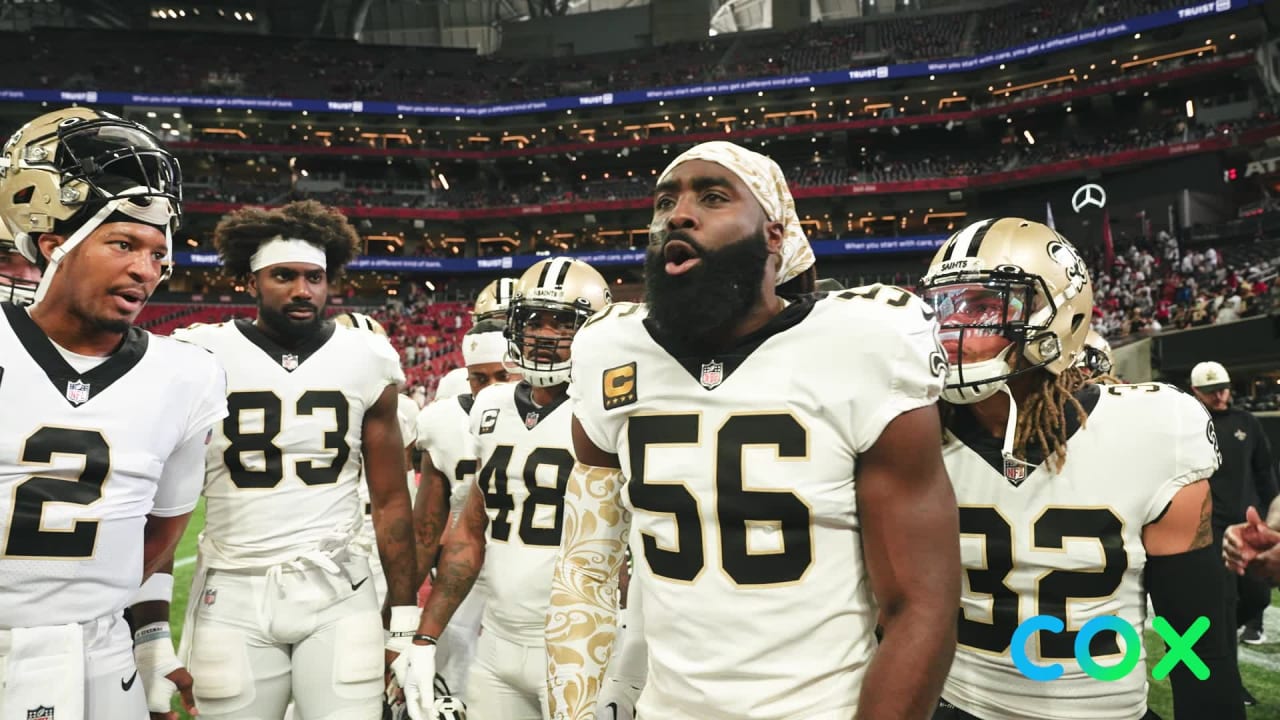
(404, 620)
(425, 638)
(154, 631)
(157, 588)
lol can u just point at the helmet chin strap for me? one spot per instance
(1010, 427)
(153, 214)
(60, 252)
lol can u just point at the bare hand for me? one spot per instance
(1244, 542)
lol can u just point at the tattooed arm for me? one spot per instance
(1180, 545)
(581, 621)
(461, 555)
(389, 496)
(430, 510)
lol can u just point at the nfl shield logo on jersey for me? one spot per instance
(77, 392)
(289, 362)
(40, 713)
(1014, 472)
(712, 374)
(531, 420)
(210, 596)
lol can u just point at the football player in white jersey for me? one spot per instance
(491, 304)
(104, 426)
(511, 522)
(281, 604)
(779, 503)
(448, 474)
(1072, 496)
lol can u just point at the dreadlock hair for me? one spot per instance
(1104, 379)
(238, 235)
(1043, 417)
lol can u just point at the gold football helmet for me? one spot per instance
(84, 165)
(493, 300)
(360, 321)
(1007, 287)
(1096, 358)
(550, 301)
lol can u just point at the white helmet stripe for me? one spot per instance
(554, 274)
(502, 293)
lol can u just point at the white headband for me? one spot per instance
(482, 348)
(769, 186)
(279, 250)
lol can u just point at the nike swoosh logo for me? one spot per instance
(126, 685)
(356, 586)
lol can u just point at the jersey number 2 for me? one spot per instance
(27, 537)
(736, 508)
(269, 405)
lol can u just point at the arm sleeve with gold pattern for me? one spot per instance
(582, 617)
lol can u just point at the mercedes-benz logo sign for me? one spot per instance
(1090, 194)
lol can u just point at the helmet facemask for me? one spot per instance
(539, 354)
(993, 315)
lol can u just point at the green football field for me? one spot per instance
(1259, 665)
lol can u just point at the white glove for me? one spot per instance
(419, 673)
(404, 623)
(154, 656)
(617, 701)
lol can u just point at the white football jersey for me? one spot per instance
(453, 384)
(525, 455)
(1068, 545)
(82, 464)
(407, 413)
(444, 432)
(283, 468)
(741, 480)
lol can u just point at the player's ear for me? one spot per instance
(773, 232)
(251, 284)
(48, 242)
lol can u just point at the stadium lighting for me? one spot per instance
(248, 16)
(1191, 108)
(1031, 139)
(238, 15)
(444, 182)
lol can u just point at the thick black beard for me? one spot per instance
(699, 308)
(285, 330)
